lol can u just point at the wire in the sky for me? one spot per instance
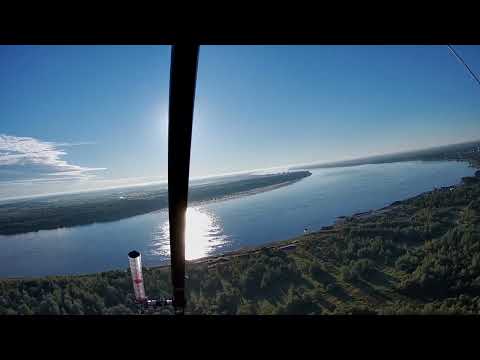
(464, 63)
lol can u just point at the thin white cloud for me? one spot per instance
(30, 158)
(22, 189)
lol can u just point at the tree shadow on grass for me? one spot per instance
(379, 278)
(339, 292)
(369, 291)
(325, 304)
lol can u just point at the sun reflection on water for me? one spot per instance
(203, 234)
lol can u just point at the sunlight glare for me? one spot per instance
(203, 234)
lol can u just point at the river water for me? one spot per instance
(227, 225)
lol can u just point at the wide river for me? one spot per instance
(227, 225)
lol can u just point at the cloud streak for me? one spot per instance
(23, 158)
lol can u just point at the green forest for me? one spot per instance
(417, 256)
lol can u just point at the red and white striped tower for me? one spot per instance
(135, 260)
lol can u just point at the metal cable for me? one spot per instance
(464, 63)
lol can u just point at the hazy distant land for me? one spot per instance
(457, 152)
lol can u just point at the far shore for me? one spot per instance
(243, 193)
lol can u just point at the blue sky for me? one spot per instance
(84, 117)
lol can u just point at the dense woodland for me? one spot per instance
(418, 256)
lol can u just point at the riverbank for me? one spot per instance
(245, 193)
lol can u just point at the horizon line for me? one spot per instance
(295, 166)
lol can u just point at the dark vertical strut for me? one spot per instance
(183, 75)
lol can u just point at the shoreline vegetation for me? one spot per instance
(416, 256)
